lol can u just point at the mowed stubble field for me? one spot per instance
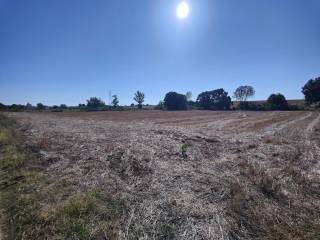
(186, 175)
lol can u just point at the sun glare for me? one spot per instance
(183, 10)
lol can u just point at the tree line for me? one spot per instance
(217, 99)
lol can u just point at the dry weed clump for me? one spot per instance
(127, 165)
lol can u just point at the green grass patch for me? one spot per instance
(184, 148)
(35, 206)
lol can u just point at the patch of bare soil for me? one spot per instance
(190, 175)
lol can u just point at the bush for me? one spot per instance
(295, 107)
(248, 106)
(175, 101)
(214, 100)
(251, 106)
(160, 106)
(311, 91)
(277, 102)
(17, 107)
(82, 106)
(192, 105)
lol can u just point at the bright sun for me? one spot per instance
(183, 10)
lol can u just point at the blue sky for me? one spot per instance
(65, 51)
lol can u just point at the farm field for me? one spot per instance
(175, 175)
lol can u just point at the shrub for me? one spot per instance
(184, 148)
(17, 107)
(175, 101)
(311, 91)
(160, 106)
(192, 105)
(295, 107)
(82, 106)
(248, 106)
(214, 100)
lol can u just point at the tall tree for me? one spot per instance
(139, 98)
(311, 91)
(242, 93)
(115, 101)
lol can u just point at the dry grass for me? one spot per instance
(43, 143)
(96, 179)
(276, 204)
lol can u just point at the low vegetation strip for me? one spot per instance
(34, 207)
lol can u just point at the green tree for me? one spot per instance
(95, 102)
(40, 106)
(175, 101)
(214, 100)
(139, 98)
(277, 102)
(115, 101)
(311, 91)
(242, 93)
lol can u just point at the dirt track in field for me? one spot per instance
(138, 157)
